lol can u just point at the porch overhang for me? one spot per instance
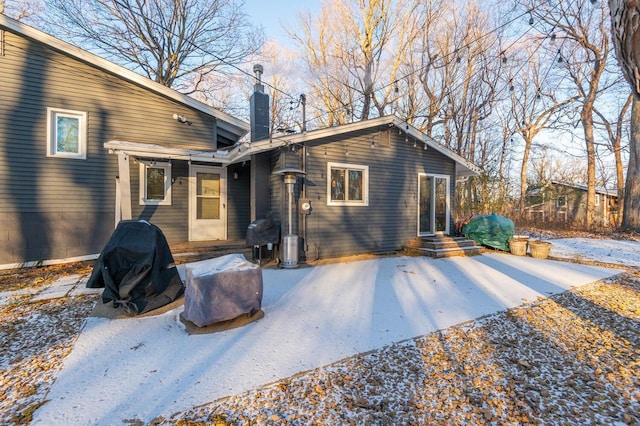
(159, 152)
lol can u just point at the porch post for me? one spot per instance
(118, 212)
(125, 186)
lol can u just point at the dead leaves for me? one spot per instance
(573, 358)
(34, 340)
(569, 359)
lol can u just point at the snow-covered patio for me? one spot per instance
(147, 367)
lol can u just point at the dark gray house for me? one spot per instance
(370, 186)
(61, 190)
(85, 143)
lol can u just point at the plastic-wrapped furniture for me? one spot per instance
(221, 289)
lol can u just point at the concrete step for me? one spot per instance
(443, 246)
(436, 243)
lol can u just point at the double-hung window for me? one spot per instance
(155, 183)
(561, 201)
(347, 185)
(66, 133)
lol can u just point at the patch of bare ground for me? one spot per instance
(34, 340)
(546, 233)
(38, 276)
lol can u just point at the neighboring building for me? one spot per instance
(563, 202)
(136, 149)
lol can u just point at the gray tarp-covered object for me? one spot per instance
(221, 289)
(136, 268)
(490, 230)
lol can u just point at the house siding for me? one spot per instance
(390, 219)
(60, 207)
(171, 219)
(238, 201)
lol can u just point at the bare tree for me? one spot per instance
(615, 131)
(352, 50)
(625, 25)
(428, 67)
(169, 41)
(584, 33)
(20, 9)
(317, 41)
(533, 104)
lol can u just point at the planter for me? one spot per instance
(518, 246)
(540, 249)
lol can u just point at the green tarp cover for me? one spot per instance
(490, 230)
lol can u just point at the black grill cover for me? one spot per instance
(136, 268)
(263, 231)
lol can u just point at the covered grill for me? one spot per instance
(263, 233)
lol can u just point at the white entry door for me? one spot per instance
(207, 203)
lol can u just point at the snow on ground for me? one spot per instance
(607, 251)
(147, 367)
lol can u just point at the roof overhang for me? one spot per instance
(583, 187)
(463, 167)
(234, 126)
(244, 150)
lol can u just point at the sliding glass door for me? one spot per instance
(433, 204)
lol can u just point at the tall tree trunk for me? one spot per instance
(620, 186)
(625, 27)
(617, 152)
(587, 123)
(523, 174)
(631, 214)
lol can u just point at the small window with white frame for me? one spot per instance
(597, 199)
(561, 201)
(66, 133)
(155, 183)
(347, 185)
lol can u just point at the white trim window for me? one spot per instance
(561, 201)
(347, 185)
(66, 133)
(597, 199)
(155, 183)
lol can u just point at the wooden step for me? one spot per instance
(194, 251)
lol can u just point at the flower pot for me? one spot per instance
(540, 249)
(518, 246)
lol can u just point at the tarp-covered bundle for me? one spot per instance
(136, 269)
(490, 230)
(221, 289)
